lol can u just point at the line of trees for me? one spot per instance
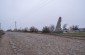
(46, 29)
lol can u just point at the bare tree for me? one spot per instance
(65, 27)
(25, 29)
(74, 27)
(33, 29)
(52, 28)
(9, 30)
(45, 29)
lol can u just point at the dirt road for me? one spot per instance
(14, 43)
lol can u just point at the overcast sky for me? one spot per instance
(41, 13)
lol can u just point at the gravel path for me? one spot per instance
(14, 43)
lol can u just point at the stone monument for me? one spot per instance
(58, 26)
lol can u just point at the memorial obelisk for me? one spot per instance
(58, 26)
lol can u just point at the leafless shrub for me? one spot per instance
(25, 29)
(74, 27)
(33, 29)
(9, 30)
(52, 28)
(45, 30)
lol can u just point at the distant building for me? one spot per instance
(82, 29)
(72, 31)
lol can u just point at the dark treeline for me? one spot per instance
(46, 29)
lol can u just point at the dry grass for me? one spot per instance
(76, 34)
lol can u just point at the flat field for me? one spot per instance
(16, 43)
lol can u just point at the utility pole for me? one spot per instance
(15, 25)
